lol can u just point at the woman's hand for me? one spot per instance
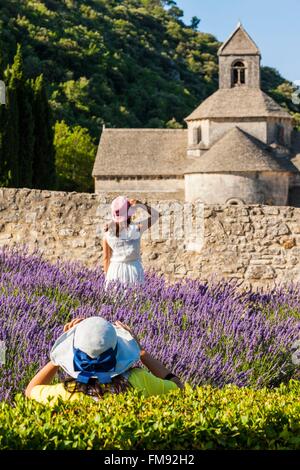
(72, 323)
(133, 202)
(119, 324)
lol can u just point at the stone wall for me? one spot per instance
(258, 245)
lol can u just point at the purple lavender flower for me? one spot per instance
(205, 332)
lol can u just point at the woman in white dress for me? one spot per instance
(121, 242)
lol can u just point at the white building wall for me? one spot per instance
(169, 187)
(219, 128)
(251, 188)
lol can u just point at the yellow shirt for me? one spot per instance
(140, 379)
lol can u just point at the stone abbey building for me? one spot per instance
(239, 146)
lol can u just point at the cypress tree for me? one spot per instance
(10, 134)
(2, 124)
(44, 176)
(25, 123)
(17, 124)
(26, 134)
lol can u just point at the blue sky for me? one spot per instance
(273, 24)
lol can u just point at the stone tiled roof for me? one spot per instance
(238, 151)
(141, 152)
(238, 102)
(239, 42)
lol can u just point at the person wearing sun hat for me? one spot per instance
(121, 241)
(99, 357)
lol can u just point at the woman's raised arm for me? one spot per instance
(47, 373)
(154, 365)
(43, 377)
(153, 213)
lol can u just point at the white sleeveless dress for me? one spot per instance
(125, 263)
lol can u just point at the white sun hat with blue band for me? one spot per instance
(95, 348)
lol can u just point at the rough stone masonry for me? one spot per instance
(257, 245)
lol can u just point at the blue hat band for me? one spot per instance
(95, 367)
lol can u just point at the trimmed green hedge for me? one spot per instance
(204, 418)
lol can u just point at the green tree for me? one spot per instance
(44, 173)
(2, 126)
(11, 123)
(24, 124)
(26, 134)
(195, 21)
(173, 124)
(296, 117)
(75, 155)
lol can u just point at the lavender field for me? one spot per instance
(207, 333)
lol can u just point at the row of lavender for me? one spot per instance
(207, 333)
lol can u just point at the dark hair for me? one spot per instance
(94, 389)
(116, 226)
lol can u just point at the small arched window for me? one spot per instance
(280, 134)
(238, 74)
(235, 201)
(196, 135)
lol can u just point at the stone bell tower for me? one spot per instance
(239, 61)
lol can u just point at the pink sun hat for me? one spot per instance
(121, 209)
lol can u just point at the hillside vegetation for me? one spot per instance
(125, 63)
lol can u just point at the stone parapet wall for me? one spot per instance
(258, 245)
